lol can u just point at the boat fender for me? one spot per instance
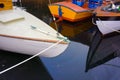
(2, 5)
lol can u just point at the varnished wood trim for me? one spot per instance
(32, 39)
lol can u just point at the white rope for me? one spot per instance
(48, 33)
(1, 72)
(54, 20)
(42, 31)
(108, 27)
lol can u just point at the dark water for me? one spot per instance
(31, 70)
(70, 65)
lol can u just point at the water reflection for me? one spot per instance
(81, 31)
(103, 49)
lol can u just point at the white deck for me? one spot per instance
(18, 23)
(4, 18)
(16, 34)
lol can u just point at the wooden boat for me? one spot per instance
(68, 10)
(23, 33)
(108, 17)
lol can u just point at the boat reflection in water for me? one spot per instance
(103, 49)
(78, 31)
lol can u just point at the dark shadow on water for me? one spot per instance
(103, 49)
(31, 70)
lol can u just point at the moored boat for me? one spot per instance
(71, 10)
(108, 17)
(24, 33)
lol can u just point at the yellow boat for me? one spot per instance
(69, 11)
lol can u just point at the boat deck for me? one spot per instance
(20, 26)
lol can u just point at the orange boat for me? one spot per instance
(68, 10)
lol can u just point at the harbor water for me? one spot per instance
(71, 64)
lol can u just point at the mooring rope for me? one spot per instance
(48, 33)
(1, 72)
(54, 21)
(42, 31)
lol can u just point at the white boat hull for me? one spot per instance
(23, 33)
(30, 47)
(106, 27)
